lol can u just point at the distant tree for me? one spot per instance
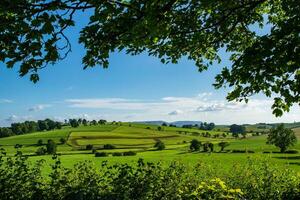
(211, 146)
(102, 121)
(89, 147)
(195, 145)
(42, 125)
(159, 128)
(74, 123)
(94, 122)
(222, 145)
(58, 125)
(164, 124)
(51, 147)
(237, 129)
(62, 140)
(148, 128)
(205, 147)
(84, 122)
(159, 145)
(224, 135)
(80, 121)
(109, 146)
(40, 142)
(5, 132)
(41, 151)
(282, 137)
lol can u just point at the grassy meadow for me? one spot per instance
(141, 138)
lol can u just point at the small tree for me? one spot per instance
(281, 137)
(211, 146)
(89, 147)
(41, 151)
(159, 128)
(223, 145)
(195, 145)
(40, 142)
(51, 147)
(205, 147)
(62, 140)
(159, 145)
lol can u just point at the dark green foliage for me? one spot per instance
(211, 147)
(159, 128)
(89, 147)
(222, 145)
(74, 123)
(29, 127)
(101, 154)
(195, 145)
(282, 137)
(84, 122)
(51, 147)
(159, 145)
(41, 151)
(33, 36)
(117, 154)
(291, 152)
(143, 180)
(109, 146)
(205, 147)
(129, 153)
(241, 151)
(40, 142)
(207, 126)
(237, 129)
(62, 140)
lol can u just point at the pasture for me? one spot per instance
(141, 138)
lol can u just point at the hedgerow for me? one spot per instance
(21, 179)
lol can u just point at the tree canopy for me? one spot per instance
(32, 35)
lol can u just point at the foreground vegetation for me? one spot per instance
(144, 180)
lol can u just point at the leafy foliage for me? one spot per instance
(143, 180)
(282, 137)
(32, 35)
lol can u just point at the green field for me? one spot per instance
(141, 139)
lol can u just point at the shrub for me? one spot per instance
(211, 146)
(109, 146)
(51, 147)
(129, 153)
(256, 179)
(117, 154)
(159, 145)
(195, 145)
(101, 154)
(62, 140)
(222, 145)
(89, 147)
(41, 151)
(40, 142)
(241, 151)
(291, 152)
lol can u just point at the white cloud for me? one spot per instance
(202, 107)
(38, 107)
(5, 101)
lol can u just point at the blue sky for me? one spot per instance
(133, 88)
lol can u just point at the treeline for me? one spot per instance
(29, 127)
(77, 122)
(202, 126)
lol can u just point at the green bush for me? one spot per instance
(129, 153)
(41, 151)
(89, 147)
(101, 154)
(159, 145)
(109, 146)
(117, 154)
(256, 179)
